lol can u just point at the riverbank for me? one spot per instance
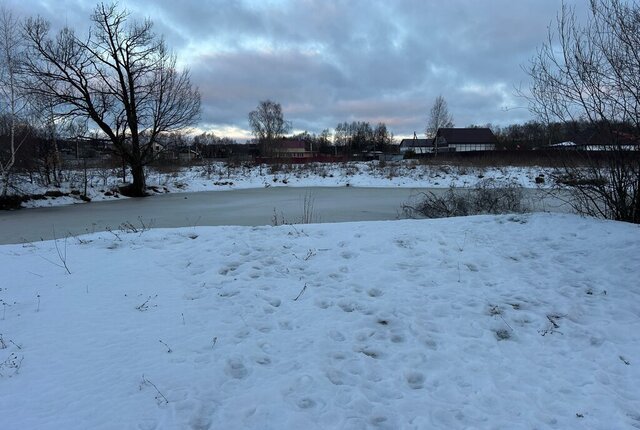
(101, 185)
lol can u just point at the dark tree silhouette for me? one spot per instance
(121, 76)
(590, 72)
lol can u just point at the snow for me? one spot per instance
(568, 143)
(518, 322)
(219, 176)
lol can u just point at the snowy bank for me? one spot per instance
(221, 177)
(506, 322)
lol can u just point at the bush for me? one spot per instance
(607, 186)
(495, 197)
(11, 202)
(409, 154)
(489, 197)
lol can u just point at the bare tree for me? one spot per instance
(359, 135)
(439, 117)
(121, 76)
(12, 98)
(382, 137)
(51, 129)
(268, 124)
(590, 72)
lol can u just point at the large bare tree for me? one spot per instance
(268, 125)
(121, 76)
(590, 71)
(439, 117)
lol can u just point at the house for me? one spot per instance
(158, 148)
(603, 141)
(292, 148)
(417, 146)
(464, 140)
(599, 140)
(73, 149)
(186, 153)
(562, 145)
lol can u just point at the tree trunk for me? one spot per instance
(56, 162)
(5, 183)
(138, 188)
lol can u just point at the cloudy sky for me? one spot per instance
(331, 61)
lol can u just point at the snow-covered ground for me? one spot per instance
(489, 322)
(220, 176)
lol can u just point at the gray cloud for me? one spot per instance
(331, 61)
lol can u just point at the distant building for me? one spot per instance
(600, 141)
(464, 140)
(186, 153)
(563, 145)
(603, 141)
(452, 140)
(417, 146)
(292, 148)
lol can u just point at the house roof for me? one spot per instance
(467, 135)
(291, 144)
(416, 143)
(603, 138)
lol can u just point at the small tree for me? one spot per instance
(121, 76)
(590, 72)
(268, 125)
(439, 117)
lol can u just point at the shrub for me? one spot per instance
(489, 197)
(11, 202)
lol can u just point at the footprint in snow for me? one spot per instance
(397, 338)
(371, 353)
(202, 418)
(415, 380)
(236, 368)
(273, 301)
(265, 329)
(306, 403)
(231, 268)
(347, 306)
(323, 304)
(243, 333)
(285, 325)
(347, 255)
(263, 360)
(374, 292)
(336, 377)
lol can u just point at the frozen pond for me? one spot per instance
(236, 207)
